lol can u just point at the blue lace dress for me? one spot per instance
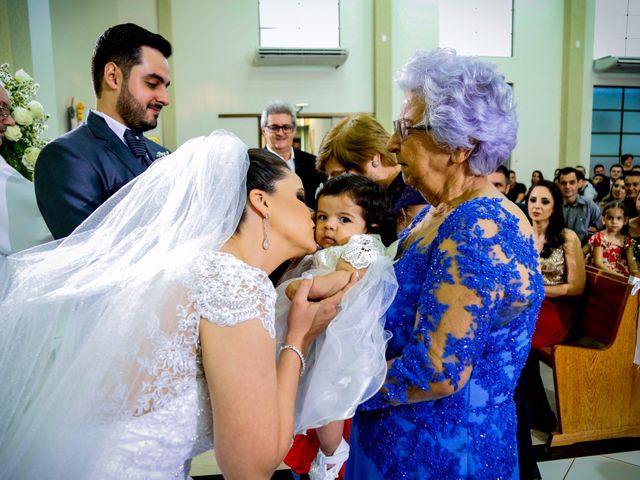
(478, 256)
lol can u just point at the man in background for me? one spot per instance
(632, 187)
(515, 191)
(500, 179)
(79, 171)
(580, 214)
(278, 123)
(627, 161)
(615, 171)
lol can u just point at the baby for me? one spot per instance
(346, 365)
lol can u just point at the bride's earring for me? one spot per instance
(265, 222)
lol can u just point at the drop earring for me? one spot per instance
(265, 222)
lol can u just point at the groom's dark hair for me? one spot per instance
(122, 44)
(265, 170)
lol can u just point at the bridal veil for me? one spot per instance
(78, 316)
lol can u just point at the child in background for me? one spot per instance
(346, 365)
(610, 248)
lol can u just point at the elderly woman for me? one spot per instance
(358, 144)
(469, 286)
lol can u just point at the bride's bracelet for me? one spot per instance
(298, 352)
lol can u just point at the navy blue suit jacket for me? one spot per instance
(79, 171)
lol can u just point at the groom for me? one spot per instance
(79, 171)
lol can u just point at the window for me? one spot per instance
(615, 127)
(477, 27)
(299, 23)
(617, 28)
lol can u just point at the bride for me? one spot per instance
(128, 346)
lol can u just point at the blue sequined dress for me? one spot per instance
(480, 254)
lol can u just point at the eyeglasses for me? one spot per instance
(4, 112)
(283, 128)
(401, 129)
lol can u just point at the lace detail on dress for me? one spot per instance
(171, 364)
(227, 291)
(223, 290)
(488, 270)
(362, 250)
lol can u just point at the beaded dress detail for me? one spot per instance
(172, 421)
(553, 267)
(479, 252)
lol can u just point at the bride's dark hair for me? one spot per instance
(265, 170)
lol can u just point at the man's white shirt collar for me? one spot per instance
(117, 127)
(291, 163)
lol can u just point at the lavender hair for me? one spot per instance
(469, 105)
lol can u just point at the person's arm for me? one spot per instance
(323, 285)
(358, 254)
(598, 261)
(631, 260)
(252, 395)
(574, 264)
(595, 221)
(68, 189)
(452, 324)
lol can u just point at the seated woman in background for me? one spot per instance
(536, 177)
(561, 262)
(617, 193)
(563, 273)
(358, 144)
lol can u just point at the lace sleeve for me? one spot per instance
(481, 275)
(362, 250)
(226, 291)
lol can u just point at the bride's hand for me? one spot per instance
(307, 320)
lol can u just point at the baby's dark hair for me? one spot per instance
(370, 197)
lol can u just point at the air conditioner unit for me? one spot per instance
(301, 56)
(617, 65)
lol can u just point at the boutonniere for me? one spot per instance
(162, 154)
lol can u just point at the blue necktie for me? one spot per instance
(136, 144)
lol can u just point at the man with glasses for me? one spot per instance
(21, 225)
(278, 123)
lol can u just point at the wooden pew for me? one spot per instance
(597, 387)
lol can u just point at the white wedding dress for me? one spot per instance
(175, 420)
(99, 352)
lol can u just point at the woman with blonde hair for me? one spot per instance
(358, 144)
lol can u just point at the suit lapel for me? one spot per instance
(113, 144)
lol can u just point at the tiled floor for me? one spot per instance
(618, 466)
(617, 459)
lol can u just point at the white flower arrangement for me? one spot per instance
(23, 141)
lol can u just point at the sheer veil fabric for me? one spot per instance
(78, 316)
